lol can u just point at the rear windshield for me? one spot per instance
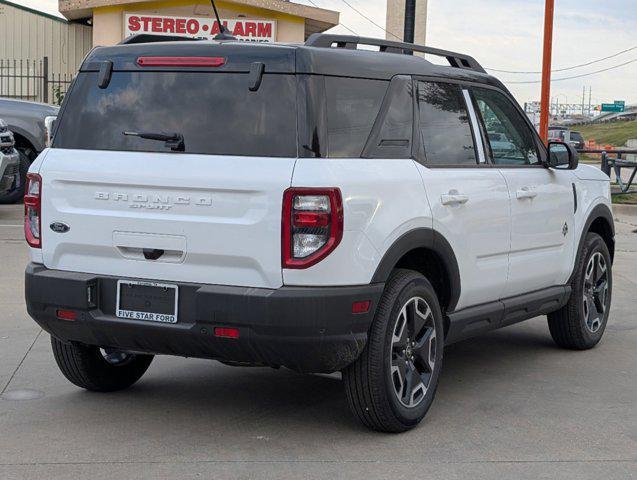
(216, 113)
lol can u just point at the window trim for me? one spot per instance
(473, 120)
(419, 151)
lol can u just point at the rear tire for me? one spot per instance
(90, 368)
(393, 383)
(580, 324)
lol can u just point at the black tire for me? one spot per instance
(86, 367)
(577, 326)
(371, 383)
(17, 193)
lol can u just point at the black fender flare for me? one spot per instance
(422, 238)
(599, 211)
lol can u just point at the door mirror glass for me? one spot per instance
(562, 155)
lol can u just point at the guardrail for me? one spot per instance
(612, 162)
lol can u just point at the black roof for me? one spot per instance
(318, 56)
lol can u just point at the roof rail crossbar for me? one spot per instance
(457, 60)
(150, 38)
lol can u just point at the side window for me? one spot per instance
(391, 136)
(510, 138)
(445, 131)
(352, 107)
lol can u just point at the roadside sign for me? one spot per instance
(612, 107)
(245, 29)
(620, 102)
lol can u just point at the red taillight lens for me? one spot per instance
(312, 225)
(223, 332)
(32, 210)
(69, 315)
(361, 307)
(181, 61)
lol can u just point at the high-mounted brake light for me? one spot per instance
(312, 225)
(32, 210)
(181, 61)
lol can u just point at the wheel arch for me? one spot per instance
(428, 252)
(22, 141)
(599, 221)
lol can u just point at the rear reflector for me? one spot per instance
(181, 61)
(223, 332)
(361, 307)
(66, 315)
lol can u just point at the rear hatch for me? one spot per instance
(205, 212)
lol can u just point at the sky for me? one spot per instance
(507, 35)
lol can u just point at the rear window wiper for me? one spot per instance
(173, 140)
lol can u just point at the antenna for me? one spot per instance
(223, 34)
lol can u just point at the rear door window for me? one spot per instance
(215, 112)
(445, 130)
(352, 107)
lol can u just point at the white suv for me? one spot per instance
(316, 206)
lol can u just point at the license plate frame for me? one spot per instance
(146, 314)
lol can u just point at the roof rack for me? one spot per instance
(351, 42)
(150, 38)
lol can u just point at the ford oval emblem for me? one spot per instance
(59, 227)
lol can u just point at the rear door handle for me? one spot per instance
(453, 198)
(525, 192)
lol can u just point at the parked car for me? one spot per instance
(9, 159)
(563, 134)
(30, 123)
(318, 206)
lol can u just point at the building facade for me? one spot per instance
(39, 53)
(395, 26)
(248, 20)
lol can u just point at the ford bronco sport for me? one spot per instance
(320, 207)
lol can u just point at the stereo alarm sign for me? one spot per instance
(245, 29)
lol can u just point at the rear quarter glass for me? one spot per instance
(216, 113)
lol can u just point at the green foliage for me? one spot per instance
(615, 133)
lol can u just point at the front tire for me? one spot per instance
(96, 369)
(393, 383)
(580, 324)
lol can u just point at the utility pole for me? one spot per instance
(546, 69)
(410, 20)
(583, 98)
(398, 13)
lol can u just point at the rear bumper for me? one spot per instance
(308, 329)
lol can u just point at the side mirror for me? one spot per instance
(562, 154)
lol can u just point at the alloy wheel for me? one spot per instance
(413, 352)
(595, 292)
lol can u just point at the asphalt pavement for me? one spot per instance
(510, 405)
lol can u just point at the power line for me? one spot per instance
(369, 19)
(566, 68)
(340, 23)
(579, 76)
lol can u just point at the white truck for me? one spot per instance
(319, 206)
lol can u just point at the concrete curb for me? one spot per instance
(625, 209)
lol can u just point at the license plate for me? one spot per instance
(155, 302)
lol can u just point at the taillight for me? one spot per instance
(312, 225)
(32, 210)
